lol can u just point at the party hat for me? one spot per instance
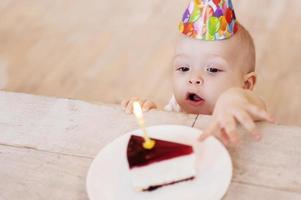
(209, 20)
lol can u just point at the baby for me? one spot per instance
(214, 72)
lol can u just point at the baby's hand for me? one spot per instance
(146, 105)
(236, 106)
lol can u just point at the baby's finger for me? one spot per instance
(129, 108)
(262, 114)
(224, 137)
(124, 103)
(229, 125)
(209, 131)
(246, 120)
(148, 105)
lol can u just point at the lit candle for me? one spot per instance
(148, 143)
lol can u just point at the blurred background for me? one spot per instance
(108, 50)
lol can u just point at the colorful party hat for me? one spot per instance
(209, 20)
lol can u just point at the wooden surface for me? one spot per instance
(47, 145)
(108, 50)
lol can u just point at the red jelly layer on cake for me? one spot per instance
(163, 150)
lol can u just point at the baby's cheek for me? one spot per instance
(221, 89)
(179, 94)
(214, 91)
(179, 87)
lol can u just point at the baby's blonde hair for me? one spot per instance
(248, 44)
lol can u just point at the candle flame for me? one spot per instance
(148, 143)
(137, 110)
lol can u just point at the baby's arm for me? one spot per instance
(146, 105)
(234, 106)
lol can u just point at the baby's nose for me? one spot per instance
(196, 81)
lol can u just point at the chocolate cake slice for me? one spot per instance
(165, 164)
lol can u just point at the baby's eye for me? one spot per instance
(183, 69)
(213, 70)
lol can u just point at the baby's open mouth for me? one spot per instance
(194, 99)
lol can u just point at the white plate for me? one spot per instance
(108, 176)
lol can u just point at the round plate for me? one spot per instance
(108, 177)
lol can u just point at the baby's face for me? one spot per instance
(202, 70)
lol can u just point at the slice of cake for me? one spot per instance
(165, 164)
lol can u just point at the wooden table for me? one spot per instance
(47, 145)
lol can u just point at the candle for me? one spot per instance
(148, 143)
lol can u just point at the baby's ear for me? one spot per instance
(249, 81)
